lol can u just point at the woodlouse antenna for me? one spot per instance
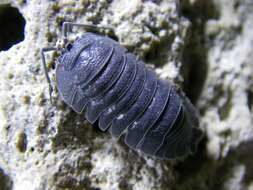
(67, 27)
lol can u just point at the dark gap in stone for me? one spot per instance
(224, 110)
(12, 25)
(194, 57)
(250, 99)
(245, 154)
(158, 53)
(5, 181)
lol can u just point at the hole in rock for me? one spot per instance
(12, 25)
(195, 54)
(5, 181)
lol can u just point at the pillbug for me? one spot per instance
(100, 79)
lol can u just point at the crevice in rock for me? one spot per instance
(245, 153)
(202, 172)
(21, 143)
(12, 25)
(250, 99)
(5, 181)
(194, 57)
(158, 52)
(224, 110)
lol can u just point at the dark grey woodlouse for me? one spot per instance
(100, 79)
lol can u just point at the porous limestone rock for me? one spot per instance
(204, 46)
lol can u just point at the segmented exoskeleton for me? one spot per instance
(100, 79)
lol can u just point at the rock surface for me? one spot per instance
(204, 46)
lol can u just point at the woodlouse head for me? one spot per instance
(78, 63)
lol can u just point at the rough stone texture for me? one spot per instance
(204, 46)
(226, 101)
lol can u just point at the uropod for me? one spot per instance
(101, 80)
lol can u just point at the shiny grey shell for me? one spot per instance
(100, 79)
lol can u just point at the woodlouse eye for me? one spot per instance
(69, 46)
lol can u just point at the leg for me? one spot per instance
(45, 69)
(67, 26)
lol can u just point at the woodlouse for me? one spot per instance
(101, 79)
